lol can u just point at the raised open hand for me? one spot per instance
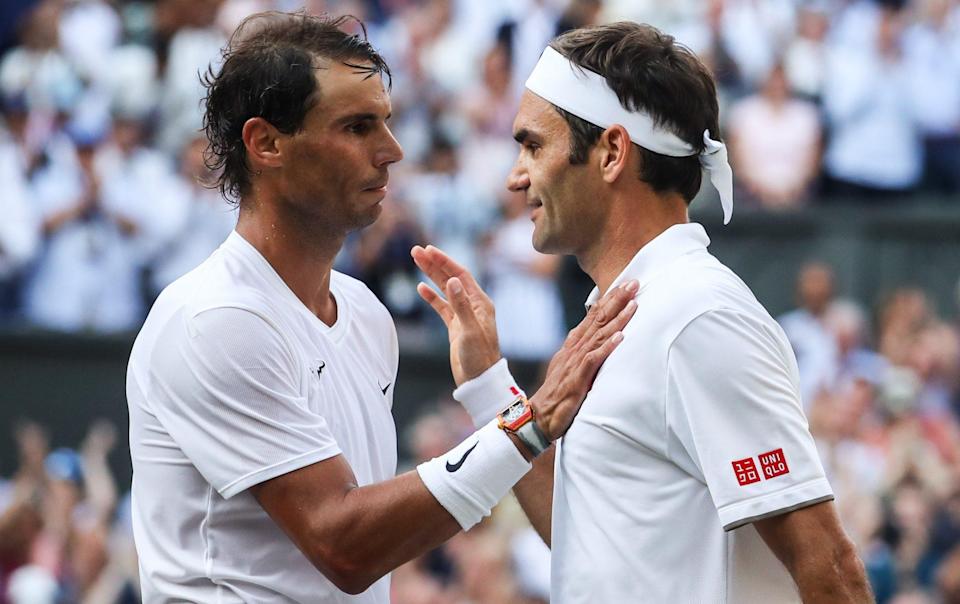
(467, 312)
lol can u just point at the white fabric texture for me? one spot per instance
(489, 393)
(475, 475)
(587, 95)
(645, 482)
(231, 382)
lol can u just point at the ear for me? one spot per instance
(260, 139)
(616, 151)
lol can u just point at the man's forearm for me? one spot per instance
(389, 523)
(535, 493)
(840, 578)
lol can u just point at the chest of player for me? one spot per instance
(623, 412)
(349, 382)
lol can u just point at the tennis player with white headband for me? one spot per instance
(689, 473)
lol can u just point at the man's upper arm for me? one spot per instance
(225, 385)
(822, 560)
(733, 410)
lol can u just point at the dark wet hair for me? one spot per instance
(268, 71)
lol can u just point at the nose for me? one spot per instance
(391, 152)
(518, 179)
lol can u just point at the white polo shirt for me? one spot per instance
(692, 430)
(232, 382)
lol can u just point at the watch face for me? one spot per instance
(514, 412)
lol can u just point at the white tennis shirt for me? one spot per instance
(231, 382)
(692, 430)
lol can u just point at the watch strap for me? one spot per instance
(533, 438)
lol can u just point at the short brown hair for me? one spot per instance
(649, 71)
(268, 71)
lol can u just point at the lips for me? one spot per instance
(534, 203)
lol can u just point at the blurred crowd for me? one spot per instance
(881, 388)
(106, 200)
(106, 197)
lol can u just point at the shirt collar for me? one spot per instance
(676, 241)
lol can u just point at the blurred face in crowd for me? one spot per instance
(776, 88)
(563, 197)
(334, 170)
(815, 288)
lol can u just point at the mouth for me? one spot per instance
(378, 186)
(533, 204)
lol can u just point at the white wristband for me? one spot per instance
(473, 476)
(489, 393)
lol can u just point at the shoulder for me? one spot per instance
(695, 284)
(731, 342)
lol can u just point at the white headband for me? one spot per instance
(586, 94)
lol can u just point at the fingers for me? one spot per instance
(460, 302)
(437, 265)
(612, 327)
(436, 302)
(600, 314)
(595, 358)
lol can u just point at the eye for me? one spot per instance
(359, 127)
(531, 147)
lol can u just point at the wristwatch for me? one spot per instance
(518, 419)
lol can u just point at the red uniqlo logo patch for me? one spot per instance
(746, 471)
(774, 464)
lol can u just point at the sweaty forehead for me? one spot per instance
(344, 88)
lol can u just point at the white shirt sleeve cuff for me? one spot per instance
(264, 474)
(488, 394)
(796, 497)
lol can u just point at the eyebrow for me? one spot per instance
(521, 135)
(362, 117)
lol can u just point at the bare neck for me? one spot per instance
(301, 253)
(634, 221)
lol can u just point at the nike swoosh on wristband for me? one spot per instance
(454, 467)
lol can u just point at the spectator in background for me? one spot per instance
(56, 521)
(775, 144)
(37, 68)
(202, 219)
(19, 228)
(190, 43)
(521, 282)
(812, 343)
(103, 216)
(486, 153)
(453, 213)
(381, 259)
(874, 151)
(805, 57)
(932, 54)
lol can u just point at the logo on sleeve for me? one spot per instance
(746, 471)
(772, 464)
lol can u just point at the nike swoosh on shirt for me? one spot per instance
(383, 389)
(454, 467)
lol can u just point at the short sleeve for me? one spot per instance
(225, 385)
(733, 410)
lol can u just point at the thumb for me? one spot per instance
(460, 302)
